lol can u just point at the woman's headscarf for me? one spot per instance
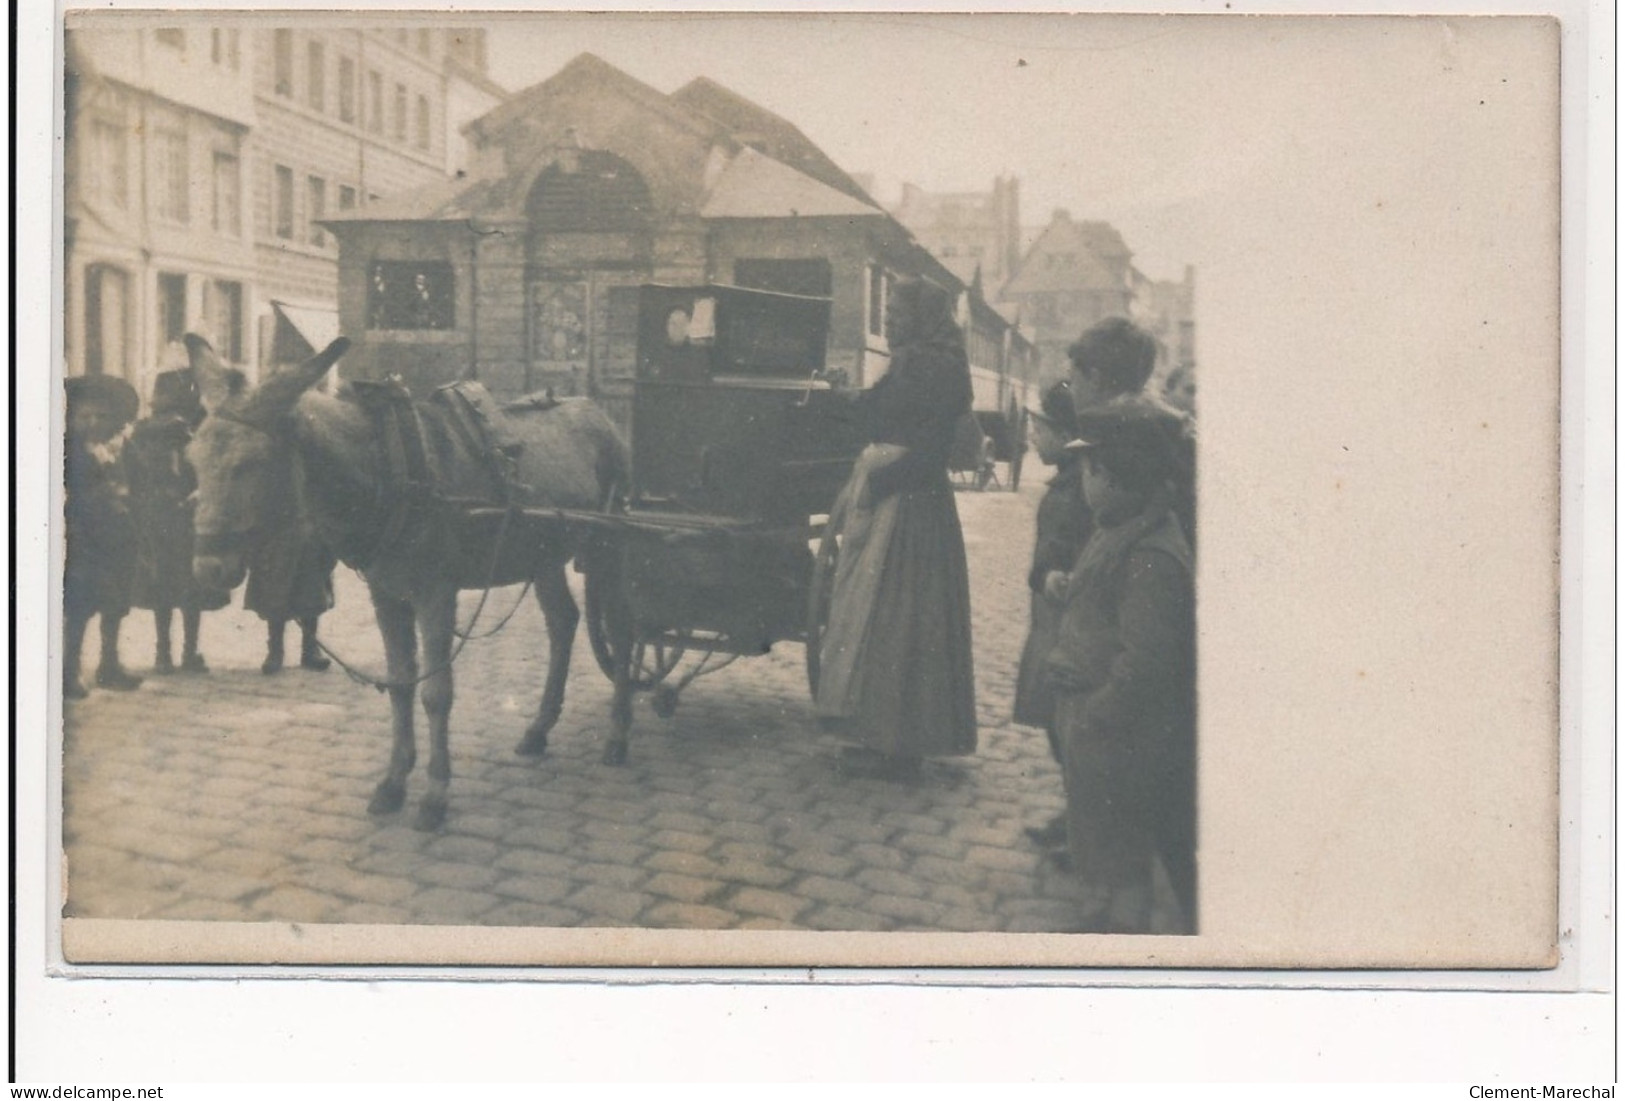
(932, 310)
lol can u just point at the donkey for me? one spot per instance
(411, 549)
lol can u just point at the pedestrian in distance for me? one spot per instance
(1063, 528)
(162, 486)
(1124, 672)
(896, 657)
(99, 570)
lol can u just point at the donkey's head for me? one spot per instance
(244, 442)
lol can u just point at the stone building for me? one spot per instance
(159, 238)
(1167, 309)
(202, 159)
(969, 231)
(525, 272)
(1075, 274)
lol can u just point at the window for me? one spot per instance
(375, 102)
(107, 163)
(879, 283)
(423, 122)
(346, 197)
(223, 316)
(282, 55)
(316, 209)
(174, 178)
(224, 48)
(282, 203)
(316, 76)
(227, 215)
(171, 309)
(107, 320)
(400, 112)
(346, 89)
(411, 294)
(423, 41)
(173, 37)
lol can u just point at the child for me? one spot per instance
(1063, 528)
(100, 539)
(162, 484)
(1124, 671)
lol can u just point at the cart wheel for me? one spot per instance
(597, 630)
(818, 597)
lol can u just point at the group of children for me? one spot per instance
(129, 534)
(1109, 668)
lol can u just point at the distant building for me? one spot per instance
(1167, 309)
(1074, 275)
(969, 231)
(202, 160)
(525, 272)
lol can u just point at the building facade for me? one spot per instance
(971, 232)
(525, 272)
(203, 159)
(1075, 274)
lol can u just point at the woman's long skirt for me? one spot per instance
(896, 658)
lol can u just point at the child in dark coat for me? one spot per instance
(1124, 671)
(1063, 528)
(162, 485)
(100, 538)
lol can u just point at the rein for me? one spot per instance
(409, 504)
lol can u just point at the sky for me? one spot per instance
(1102, 116)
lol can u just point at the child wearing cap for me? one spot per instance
(1124, 672)
(1063, 527)
(100, 540)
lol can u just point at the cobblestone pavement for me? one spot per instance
(236, 796)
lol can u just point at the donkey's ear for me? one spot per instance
(319, 364)
(213, 377)
(276, 395)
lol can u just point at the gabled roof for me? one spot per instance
(590, 73)
(1098, 259)
(754, 185)
(761, 129)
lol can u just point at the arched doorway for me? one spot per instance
(590, 244)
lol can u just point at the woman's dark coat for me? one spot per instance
(161, 485)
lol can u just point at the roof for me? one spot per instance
(759, 128)
(754, 185)
(592, 73)
(455, 200)
(1098, 261)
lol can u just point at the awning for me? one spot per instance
(315, 326)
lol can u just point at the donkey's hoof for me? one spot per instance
(387, 798)
(431, 814)
(615, 753)
(533, 744)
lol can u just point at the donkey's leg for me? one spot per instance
(618, 628)
(400, 651)
(559, 609)
(437, 619)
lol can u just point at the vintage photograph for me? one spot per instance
(565, 477)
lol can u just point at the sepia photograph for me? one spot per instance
(808, 489)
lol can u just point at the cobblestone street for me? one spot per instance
(241, 797)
